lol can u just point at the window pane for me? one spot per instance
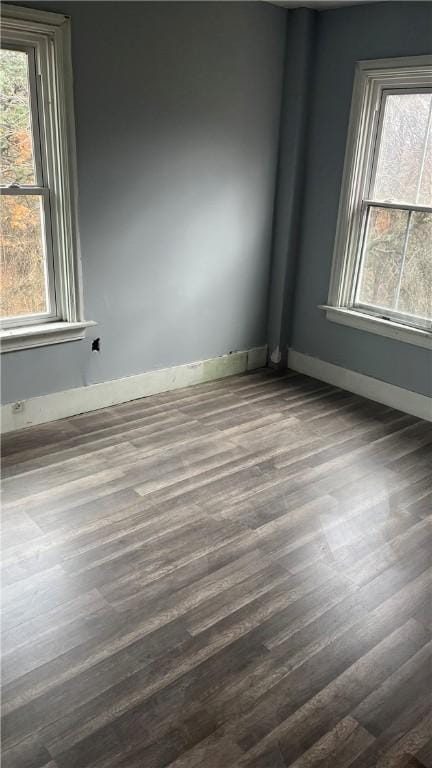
(382, 257)
(415, 297)
(404, 167)
(425, 189)
(23, 281)
(16, 145)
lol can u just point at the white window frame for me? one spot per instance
(45, 36)
(373, 79)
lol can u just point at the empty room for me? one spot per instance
(216, 384)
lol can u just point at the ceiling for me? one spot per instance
(321, 5)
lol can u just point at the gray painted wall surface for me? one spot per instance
(344, 37)
(177, 116)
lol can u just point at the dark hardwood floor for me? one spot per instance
(235, 574)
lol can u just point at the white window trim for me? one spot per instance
(371, 78)
(51, 33)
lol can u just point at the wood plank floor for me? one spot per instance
(232, 575)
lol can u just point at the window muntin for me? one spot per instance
(382, 264)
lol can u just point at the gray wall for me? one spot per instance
(177, 117)
(343, 37)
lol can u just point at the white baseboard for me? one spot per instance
(60, 405)
(366, 386)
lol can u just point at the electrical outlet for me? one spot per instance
(18, 406)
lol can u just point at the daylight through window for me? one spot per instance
(396, 258)
(382, 268)
(26, 248)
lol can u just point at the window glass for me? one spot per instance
(404, 167)
(16, 143)
(382, 256)
(23, 266)
(415, 293)
(23, 262)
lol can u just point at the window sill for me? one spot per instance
(388, 328)
(13, 339)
